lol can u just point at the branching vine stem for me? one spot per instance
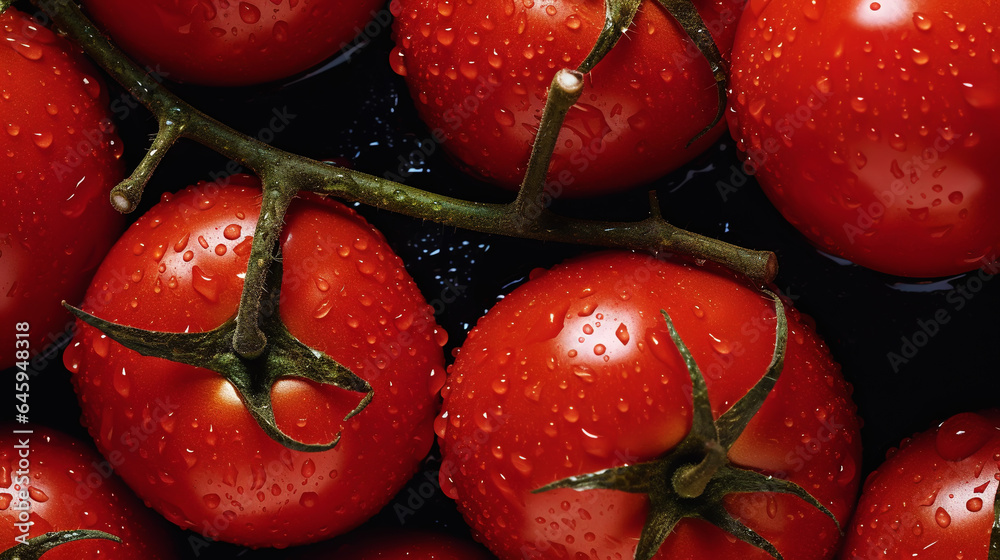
(284, 174)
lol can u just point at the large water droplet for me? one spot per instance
(962, 435)
(205, 284)
(249, 13)
(942, 518)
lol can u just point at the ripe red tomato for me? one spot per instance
(223, 43)
(479, 72)
(60, 484)
(191, 449)
(873, 126)
(399, 545)
(933, 496)
(574, 372)
(58, 161)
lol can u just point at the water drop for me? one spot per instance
(42, 139)
(205, 284)
(308, 499)
(921, 20)
(813, 9)
(280, 31)
(504, 117)
(942, 518)
(232, 232)
(249, 13)
(121, 383)
(962, 435)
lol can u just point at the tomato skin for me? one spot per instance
(873, 126)
(72, 487)
(574, 372)
(934, 490)
(58, 161)
(399, 545)
(221, 43)
(194, 452)
(479, 72)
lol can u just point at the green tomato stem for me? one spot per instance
(284, 174)
(34, 548)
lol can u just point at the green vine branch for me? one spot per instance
(34, 548)
(283, 175)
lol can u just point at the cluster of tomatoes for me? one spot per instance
(868, 125)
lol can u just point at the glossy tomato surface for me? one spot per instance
(574, 372)
(873, 126)
(192, 450)
(58, 160)
(223, 43)
(934, 495)
(61, 484)
(479, 71)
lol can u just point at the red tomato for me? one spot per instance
(479, 72)
(574, 372)
(63, 485)
(193, 451)
(223, 43)
(933, 496)
(873, 126)
(401, 545)
(58, 161)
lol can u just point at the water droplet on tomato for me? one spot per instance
(280, 31)
(42, 139)
(962, 435)
(942, 518)
(249, 13)
(205, 284)
(323, 309)
(571, 415)
(974, 505)
(308, 468)
(445, 36)
(232, 232)
(504, 117)
(121, 383)
(308, 499)
(522, 464)
(921, 21)
(813, 9)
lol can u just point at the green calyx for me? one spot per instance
(36, 547)
(283, 357)
(618, 18)
(692, 479)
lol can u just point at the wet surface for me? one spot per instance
(915, 352)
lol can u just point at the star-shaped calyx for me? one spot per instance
(693, 478)
(283, 357)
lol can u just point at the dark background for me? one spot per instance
(357, 112)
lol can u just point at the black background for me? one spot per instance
(358, 112)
